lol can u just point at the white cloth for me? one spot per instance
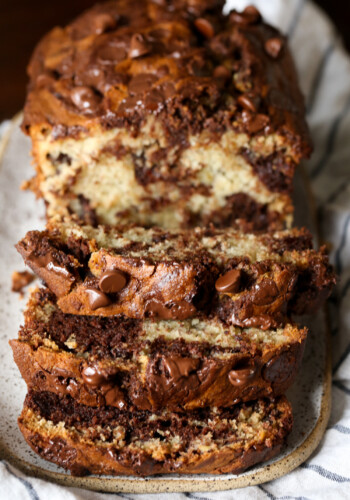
(324, 71)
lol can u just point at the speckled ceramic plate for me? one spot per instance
(310, 395)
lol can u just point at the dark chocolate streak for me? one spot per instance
(274, 171)
(242, 212)
(57, 409)
(191, 66)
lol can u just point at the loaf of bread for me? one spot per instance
(170, 114)
(165, 136)
(107, 440)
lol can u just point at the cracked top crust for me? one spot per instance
(182, 61)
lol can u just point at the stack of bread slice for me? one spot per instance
(165, 137)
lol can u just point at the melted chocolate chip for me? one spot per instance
(180, 367)
(264, 292)
(51, 266)
(172, 373)
(138, 46)
(155, 308)
(250, 15)
(92, 376)
(96, 378)
(240, 377)
(273, 47)
(141, 83)
(112, 52)
(249, 102)
(115, 397)
(97, 298)
(180, 310)
(254, 122)
(112, 281)
(154, 101)
(229, 282)
(204, 27)
(84, 98)
(48, 262)
(222, 73)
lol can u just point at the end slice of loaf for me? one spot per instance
(109, 441)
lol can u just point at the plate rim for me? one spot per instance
(178, 484)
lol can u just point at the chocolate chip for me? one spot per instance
(97, 299)
(49, 263)
(241, 376)
(229, 282)
(204, 27)
(248, 101)
(264, 292)
(250, 15)
(254, 122)
(154, 101)
(128, 105)
(73, 388)
(96, 378)
(273, 47)
(138, 46)
(92, 376)
(92, 76)
(180, 367)
(115, 397)
(156, 309)
(180, 310)
(112, 281)
(112, 51)
(222, 73)
(84, 98)
(141, 83)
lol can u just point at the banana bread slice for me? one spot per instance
(171, 114)
(106, 440)
(245, 279)
(151, 365)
